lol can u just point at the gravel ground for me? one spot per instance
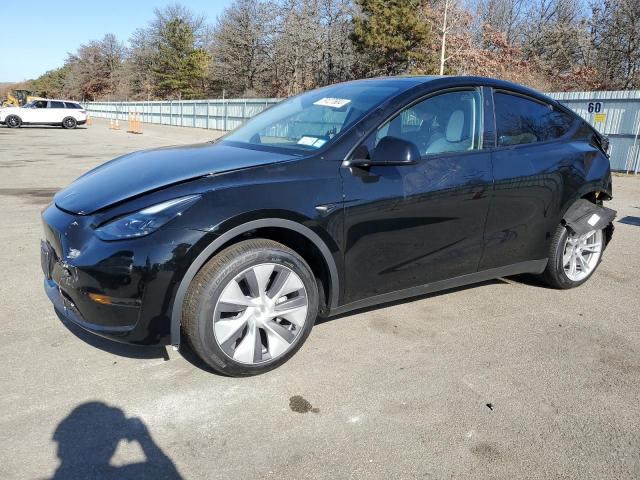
(505, 379)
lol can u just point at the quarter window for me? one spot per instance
(449, 122)
(72, 105)
(520, 120)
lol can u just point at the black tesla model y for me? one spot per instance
(339, 198)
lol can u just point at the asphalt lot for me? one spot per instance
(507, 379)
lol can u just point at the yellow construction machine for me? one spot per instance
(17, 98)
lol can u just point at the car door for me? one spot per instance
(535, 163)
(33, 111)
(55, 112)
(415, 224)
(26, 113)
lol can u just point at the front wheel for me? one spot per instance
(69, 122)
(250, 308)
(13, 121)
(573, 258)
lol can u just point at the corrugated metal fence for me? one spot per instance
(615, 114)
(212, 114)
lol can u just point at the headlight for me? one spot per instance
(145, 221)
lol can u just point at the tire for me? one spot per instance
(69, 123)
(556, 274)
(13, 121)
(249, 337)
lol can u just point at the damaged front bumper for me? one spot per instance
(65, 307)
(122, 290)
(65, 287)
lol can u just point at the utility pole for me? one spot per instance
(444, 37)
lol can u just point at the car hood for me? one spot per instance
(149, 170)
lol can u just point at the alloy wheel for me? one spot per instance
(581, 254)
(260, 313)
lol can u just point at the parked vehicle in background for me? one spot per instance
(64, 113)
(340, 198)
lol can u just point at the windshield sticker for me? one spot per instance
(332, 102)
(314, 142)
(308, 141)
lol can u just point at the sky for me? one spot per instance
(42, 32)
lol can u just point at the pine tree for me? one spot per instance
(51, 83)
(391, 35)
(178, 67)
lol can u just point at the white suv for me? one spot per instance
(44, 112)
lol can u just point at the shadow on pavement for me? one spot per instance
(88, 438)
(192, 357)
(629, 220)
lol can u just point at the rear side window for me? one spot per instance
(56, 105)
(75, 106)
(520, 120)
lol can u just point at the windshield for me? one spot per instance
(313, 119)
(28, 105)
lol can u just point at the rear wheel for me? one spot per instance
(250, 308)
(69, 122)
(13, 121)
(573, 258)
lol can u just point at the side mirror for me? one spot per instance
(390, 151)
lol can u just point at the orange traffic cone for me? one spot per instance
(117, 127)
(111, 124)
(89, 121)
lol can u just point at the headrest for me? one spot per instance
(455, 126)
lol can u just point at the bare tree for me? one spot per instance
(338, 53)
(506, 16)
(239, 47)
(616, 42)
(452, 24)
(93, 68)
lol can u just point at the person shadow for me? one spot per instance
(88, 438)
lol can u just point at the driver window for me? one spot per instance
(40, 104)
(449, 122)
